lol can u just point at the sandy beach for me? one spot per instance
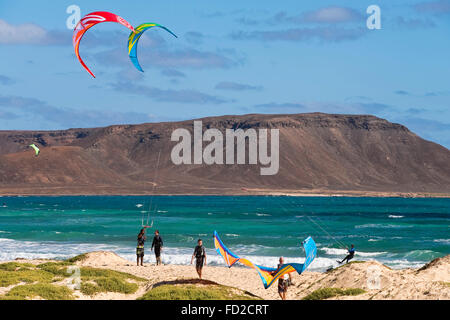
(378, 281)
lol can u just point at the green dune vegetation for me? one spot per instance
(44, 291)
(49, 280)
(327, 293)
(52, 281)
(195, 289)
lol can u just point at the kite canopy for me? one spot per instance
(36, 149)
(134, 37)
(268, 275)
(87, 22)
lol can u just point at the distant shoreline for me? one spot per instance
(248, 192)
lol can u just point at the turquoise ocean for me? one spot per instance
(399, 232)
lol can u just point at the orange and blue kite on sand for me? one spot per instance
(268, 275)
(87, 22)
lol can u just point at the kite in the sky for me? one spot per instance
(90, 20)
(134, 37)
(268, 275)
(36, 149)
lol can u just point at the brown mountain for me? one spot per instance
(319, 153)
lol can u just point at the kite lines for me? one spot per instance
(146, 225)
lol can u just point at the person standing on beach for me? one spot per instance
(200, 257)
(283, 282)
(140, 246)
(158, 245)
(351, 254)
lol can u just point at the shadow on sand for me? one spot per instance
(186, 281)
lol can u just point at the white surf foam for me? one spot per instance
(12, 249)
(382, 226)
(340, 252)
(446, 241)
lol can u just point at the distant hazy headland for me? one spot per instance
(320, 154)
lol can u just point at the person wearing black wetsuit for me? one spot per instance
(140, 246)
(200, 257)
(351, 254)
(158, 245)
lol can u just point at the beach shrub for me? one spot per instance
(13, 266)
(8, 278)
(116, 285)
(326, 293)
(104, 280)
(80, 257)
(192, 292)
(40, 279)
(43, 290)
(93, 273)
(89, 289)
(108, 285)
(55, 268)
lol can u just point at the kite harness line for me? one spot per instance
(315, 221)
(146, 225)
(289, 204)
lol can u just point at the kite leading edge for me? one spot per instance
(87, 22)
(268, 275)
(134, 37)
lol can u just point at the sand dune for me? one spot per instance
(378, 281)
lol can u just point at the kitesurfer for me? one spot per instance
(351, 254)
(158, 245)
(284, 281)
(200, 257)
(140, 246)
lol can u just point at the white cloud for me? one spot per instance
(229, 85)
(27, 33)
(332, 15)
(16, 107)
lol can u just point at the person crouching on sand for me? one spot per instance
(283, 281)
(200, 257)
(140, 246)
(351, 254)
(158, 245)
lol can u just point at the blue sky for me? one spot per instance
(231, 57)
